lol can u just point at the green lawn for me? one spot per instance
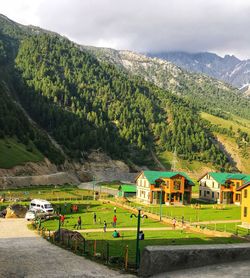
(228, 227)
(13, 153)
(205, 213)
(46, 192)
(104, 212)
(117, 245)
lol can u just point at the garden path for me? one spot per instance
(24, 254)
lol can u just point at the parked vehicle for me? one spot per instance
(43, 205)
(33, 214)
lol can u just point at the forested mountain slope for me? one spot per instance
(204, 92)
(87, 104)
(229, 68)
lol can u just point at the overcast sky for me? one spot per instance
(221, 26)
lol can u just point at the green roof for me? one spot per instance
(152, 176)
(128, 188)
(222, 177)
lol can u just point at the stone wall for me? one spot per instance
(160, 259)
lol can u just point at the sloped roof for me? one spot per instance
(128, 188)
(221, 178)
(244, 186)
(152, 176)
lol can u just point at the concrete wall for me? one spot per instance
(160, 259)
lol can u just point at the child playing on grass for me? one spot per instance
(79, 223)
(105, 226)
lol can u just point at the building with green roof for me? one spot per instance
(155, 187)
(127, 190)
(222, 187)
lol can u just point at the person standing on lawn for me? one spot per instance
(94, 218)
(62, 220)
(79, 223)
(114, 221)
(174, 223)
(105, 226)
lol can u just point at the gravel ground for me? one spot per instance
(24, 254)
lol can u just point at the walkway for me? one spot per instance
(216, 222)
(127, 229)
(24, 254)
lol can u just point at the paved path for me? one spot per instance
(127, 229)
(217, 222)
(24, 254)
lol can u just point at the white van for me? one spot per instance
(38, 204)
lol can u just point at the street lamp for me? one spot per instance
(93, 187)
(139, 216)
(161, 204)
(59, 226)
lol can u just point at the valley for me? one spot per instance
(68, 101)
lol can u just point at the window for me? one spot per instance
(177, 184)
(245, 211)
(213, 184)
(200, 192)
(212, 194)
(245, 193)
(237, 198)
(237, 184)
(208, 192)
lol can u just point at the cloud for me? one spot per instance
(144, 25)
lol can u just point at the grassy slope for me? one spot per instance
(235, 123)
(230, 143)
(194, 168)
(13, 153)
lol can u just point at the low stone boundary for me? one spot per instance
(160, 259)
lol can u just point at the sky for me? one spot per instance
(220, 26)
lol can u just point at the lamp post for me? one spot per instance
(137, 256)
(161, 204)
(59, 226)
(93, 187)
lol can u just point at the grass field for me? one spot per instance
(46, 192)
(117, 245)
(103, 212)
(205, 213)
(13, 153)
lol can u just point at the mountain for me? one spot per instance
(204, 92)
(229, 68)
(129, 106)
(224, 104)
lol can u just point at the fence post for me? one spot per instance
(76, 245)
(94, 247)
(126, 257)
(84, 246)
(107, 252)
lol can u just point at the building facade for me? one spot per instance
(154, 187)
(245, 204)
(222, 188)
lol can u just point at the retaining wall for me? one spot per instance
(160, 259)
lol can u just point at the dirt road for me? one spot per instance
(24, 254)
